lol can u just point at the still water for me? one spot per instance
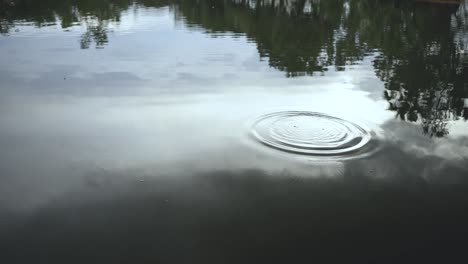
(233, 131)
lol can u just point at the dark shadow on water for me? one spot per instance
(234, 217)
(413, 212)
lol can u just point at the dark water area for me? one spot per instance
(233, 131)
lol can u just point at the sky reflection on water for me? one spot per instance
(138, 113)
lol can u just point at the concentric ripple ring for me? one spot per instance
(310, 133)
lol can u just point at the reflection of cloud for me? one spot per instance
(187, 76)
(9, 80)
(64, 80)
(452, 148)
(407, 155)
(252, 63)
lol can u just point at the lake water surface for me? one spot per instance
(233, 131)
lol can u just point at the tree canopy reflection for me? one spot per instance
(96, 16)
(422, 48)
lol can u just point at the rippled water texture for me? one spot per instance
(310, 133)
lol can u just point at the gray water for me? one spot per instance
(233, 131)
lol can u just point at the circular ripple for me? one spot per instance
(310, 133)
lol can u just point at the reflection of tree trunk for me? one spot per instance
(465, 108)
(397, 3)
(94, 33)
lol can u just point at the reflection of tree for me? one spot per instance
(95, 15)
(5, 24)
(422, 48)
(425, 75)
(96, 34)
(432, 108)
(422, 56)
(69, 13)
(295, 36)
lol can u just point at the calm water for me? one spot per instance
(233, 131)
